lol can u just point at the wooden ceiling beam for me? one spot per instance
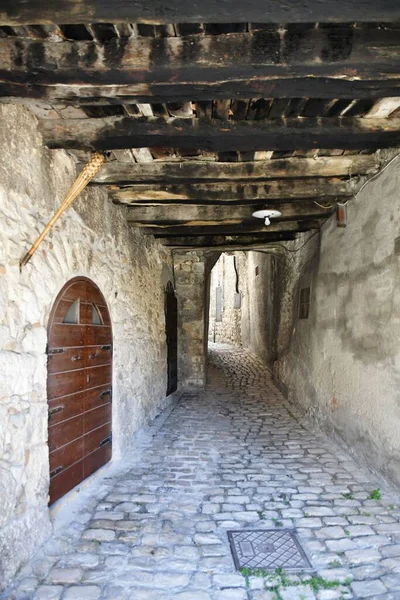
(334, 166)
(109, 133)
(21, 12)
(88, 94)
(231, 229)
(209, 241)
(250, 64)
(272, 189)
(210, 214)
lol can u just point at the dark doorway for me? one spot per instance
(171, 327)
(78, 385)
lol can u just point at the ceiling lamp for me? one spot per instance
(267, 215)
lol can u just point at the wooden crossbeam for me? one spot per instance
(217, 135)
(241, 228)
(273, 87)
(21, 12)
(355, 61)
(209, 241)
(329, 166)
(211, 214)
(271, 189)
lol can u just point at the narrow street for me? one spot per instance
(234, 456)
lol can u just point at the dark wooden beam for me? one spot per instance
(211, 214)
(272, 189)
(273, 87)
(209, 241)
(215, 135)
(230, 65)
(21, 12)
(332, 166)
(241, 228)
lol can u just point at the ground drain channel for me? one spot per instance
(267, 549)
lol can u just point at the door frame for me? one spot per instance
(170, 292)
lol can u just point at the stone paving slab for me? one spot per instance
(234, 456)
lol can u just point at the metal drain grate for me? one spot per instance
(267, 549)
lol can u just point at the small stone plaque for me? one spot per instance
(267, 549)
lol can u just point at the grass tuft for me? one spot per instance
(375, 494)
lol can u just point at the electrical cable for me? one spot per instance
(305, 243)
(343, 203)
(371, 179)
(322, 206)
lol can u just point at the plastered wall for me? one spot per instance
(259, 305)
(223, 275)
(342, 364)
(92, 239)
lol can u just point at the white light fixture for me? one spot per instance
(267, 215)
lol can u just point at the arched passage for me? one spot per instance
(79, 385)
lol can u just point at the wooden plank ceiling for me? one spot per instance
(205, 122)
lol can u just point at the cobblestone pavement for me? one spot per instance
(233, 456)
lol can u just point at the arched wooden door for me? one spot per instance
(171, 326)
(78, 385)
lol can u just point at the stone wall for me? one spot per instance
(192, 270)
(254, 325)
(93, 240)
(260, 309)
(223, 275)
(342, 364)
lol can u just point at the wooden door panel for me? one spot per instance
(74, 291)
(65, 336)
(79, 386)
(98, 355)
(61, 384)
(62, 310)
(67, 455)
(66, 480)
(94, 439)
(86, 312)
(66, 407)
(65, 432)
(105, 315)
(98, 396)
(93, 294)
(66, 359)
(97, 335)
(97, 459)
(97, 417)
(97, 376)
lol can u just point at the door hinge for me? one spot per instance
(107, 393)
(55, 351)
(107, 440)
(55, 410)
(56, 471)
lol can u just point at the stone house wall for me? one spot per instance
(260, 309)
(254, 324)
(223, 275)
(91, 239)
(342, 364)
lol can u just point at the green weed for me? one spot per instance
(375, 494)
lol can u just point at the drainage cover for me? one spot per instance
(267, 549)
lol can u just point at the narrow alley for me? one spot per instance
(234, 456)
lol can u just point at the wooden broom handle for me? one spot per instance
(87, 173)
